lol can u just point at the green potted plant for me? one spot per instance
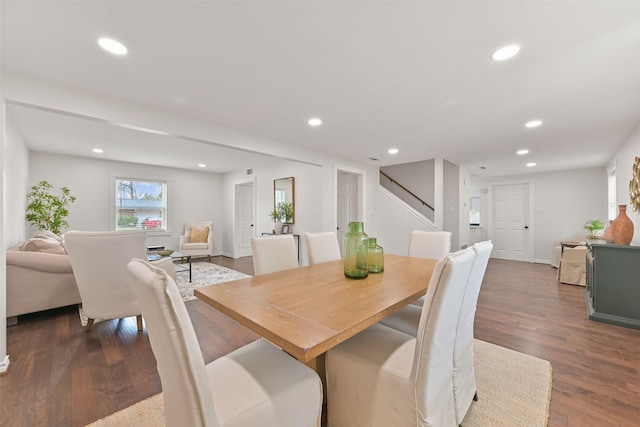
(274, 214)
(46, 210)
(592, 226)
(286, 212)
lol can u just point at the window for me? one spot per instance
(141, 205)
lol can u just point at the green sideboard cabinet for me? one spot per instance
(613, 283)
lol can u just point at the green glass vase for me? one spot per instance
(376, 256)
(356, 252)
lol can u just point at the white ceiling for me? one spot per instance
(412, 75)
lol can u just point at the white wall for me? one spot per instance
(193, 195)
(309, 199)
(564, 201)
(16, 172)
(451, 200)
(396, 223)
(624, 160)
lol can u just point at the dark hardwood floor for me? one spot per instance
(61, 376)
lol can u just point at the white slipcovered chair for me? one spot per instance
(274, 253)
(384, 377)
(407, 320)
(322, 247)
(255, 385)
(429, 244)
(197, 240)
(99, 261)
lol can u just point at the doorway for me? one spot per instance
(349, 200)
(243, 219)
(511, 228)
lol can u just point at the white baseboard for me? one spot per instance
(542, 261)
(4, 365)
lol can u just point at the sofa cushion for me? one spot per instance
(199, 235)
(39, 244)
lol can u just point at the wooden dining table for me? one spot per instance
(308, 310)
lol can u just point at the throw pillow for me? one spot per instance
(46, 234)
(38, 244)
(199, 235)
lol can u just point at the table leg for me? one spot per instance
(189, 258)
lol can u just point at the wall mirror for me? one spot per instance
(284, 197)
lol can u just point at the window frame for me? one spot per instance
(116, 178)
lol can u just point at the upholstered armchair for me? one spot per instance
(197, 240)
(99, 261)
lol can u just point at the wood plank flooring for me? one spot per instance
(61, 376)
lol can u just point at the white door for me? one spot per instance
(511, 222)
(347, 202)
(244, 219)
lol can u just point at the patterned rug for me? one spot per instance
(203, 274)
(514, 390)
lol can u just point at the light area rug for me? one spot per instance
(514, 390)
(203, 274)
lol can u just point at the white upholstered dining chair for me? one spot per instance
(197, 240)
(429, 244)
(274, 253)
(407, 320)
(99, 261)
(384, 377)
(255, 385)
(322, 247)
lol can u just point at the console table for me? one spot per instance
(613, 292)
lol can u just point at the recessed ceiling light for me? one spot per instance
(112, 46)
(530, 165)
(314, 121)
(505, 52)
(98, 150)
(393, 151)
(533, 123)
(202, 165)
(522, 152)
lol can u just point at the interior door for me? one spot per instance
(347, 202)
(511, 222)
(244, 218)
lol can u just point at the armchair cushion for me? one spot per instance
(199, 235)
(41, 244)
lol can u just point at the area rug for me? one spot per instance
(514, 390)
(203, 274)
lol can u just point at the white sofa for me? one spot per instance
(38, 281)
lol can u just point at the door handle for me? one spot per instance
(526, 227)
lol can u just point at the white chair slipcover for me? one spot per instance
(197, 249)
(99, 261)
(429, 244)
(274, 253)
(407, 320)
(255, 385)
(322, 247)
(384, 377)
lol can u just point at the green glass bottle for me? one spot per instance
(356, 252)
(376, 256)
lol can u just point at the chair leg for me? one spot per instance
(475, 397)
(139, 319)
(89, 325)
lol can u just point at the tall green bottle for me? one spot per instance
(356, 252)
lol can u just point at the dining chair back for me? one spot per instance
(464, 378)
(274, 253)
(257, 384)
(99, 261)
(322, 247)
(429, 244)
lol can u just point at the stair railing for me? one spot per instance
(393, 181)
